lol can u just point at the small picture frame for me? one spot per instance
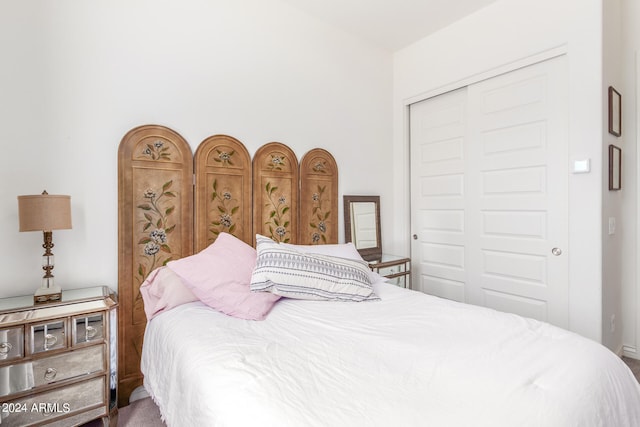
(615, 168)
(615, 112)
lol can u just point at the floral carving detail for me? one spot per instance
(227, 207)
(277, 162)
(157, 151)
(156, 229)
(226, 158)
(278, 219)
(319, 227)
(320, 166)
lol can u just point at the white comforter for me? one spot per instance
(408, 360)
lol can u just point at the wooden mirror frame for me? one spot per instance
(371, 253)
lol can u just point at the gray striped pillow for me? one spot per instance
(287, 272)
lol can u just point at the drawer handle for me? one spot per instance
(50, 374)
(5, 349)
(91, 332)
(50, 340)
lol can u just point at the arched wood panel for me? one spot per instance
(155, 225)
(275, 192)
(161, 200)
(223, 191)
(318, 198)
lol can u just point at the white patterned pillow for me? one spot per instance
(285, 271)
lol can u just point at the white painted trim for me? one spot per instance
(630, 352)
(502, 69)
(406, 159)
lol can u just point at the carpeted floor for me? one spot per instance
(141, 413)
(634, 365)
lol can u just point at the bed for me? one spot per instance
(302, 352)
(408, 360)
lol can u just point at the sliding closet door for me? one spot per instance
(438, 141)
(513, 241)
(518, 192)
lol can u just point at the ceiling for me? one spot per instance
(390, 24)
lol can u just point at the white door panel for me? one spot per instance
(438, 128)
(490, 193)
(517, 198)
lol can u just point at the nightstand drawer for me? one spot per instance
(28, 375)
(69, 365)
(53, 404)
(88, 328)
(11, 343)
(48, 336)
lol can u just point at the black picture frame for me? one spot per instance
(615, 112)
(615, 168)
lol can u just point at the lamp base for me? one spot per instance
(45, 295)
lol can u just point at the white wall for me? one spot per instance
(628, 79)
(77, 75)
(613, 256)
(508, 34)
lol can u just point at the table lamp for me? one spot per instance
(45, 212)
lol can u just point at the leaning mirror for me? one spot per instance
(362, 225)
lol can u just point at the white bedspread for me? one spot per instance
(408, 360)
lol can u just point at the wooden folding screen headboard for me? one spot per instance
(166, 211)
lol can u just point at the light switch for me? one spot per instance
(582, 166)
(612, 225)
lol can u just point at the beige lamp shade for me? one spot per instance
(44, 212)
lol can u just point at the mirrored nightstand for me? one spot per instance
(58, 360)
(396, 269)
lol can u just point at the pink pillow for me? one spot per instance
(162, 290)
(219, 276)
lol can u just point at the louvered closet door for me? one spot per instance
(515, 197)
